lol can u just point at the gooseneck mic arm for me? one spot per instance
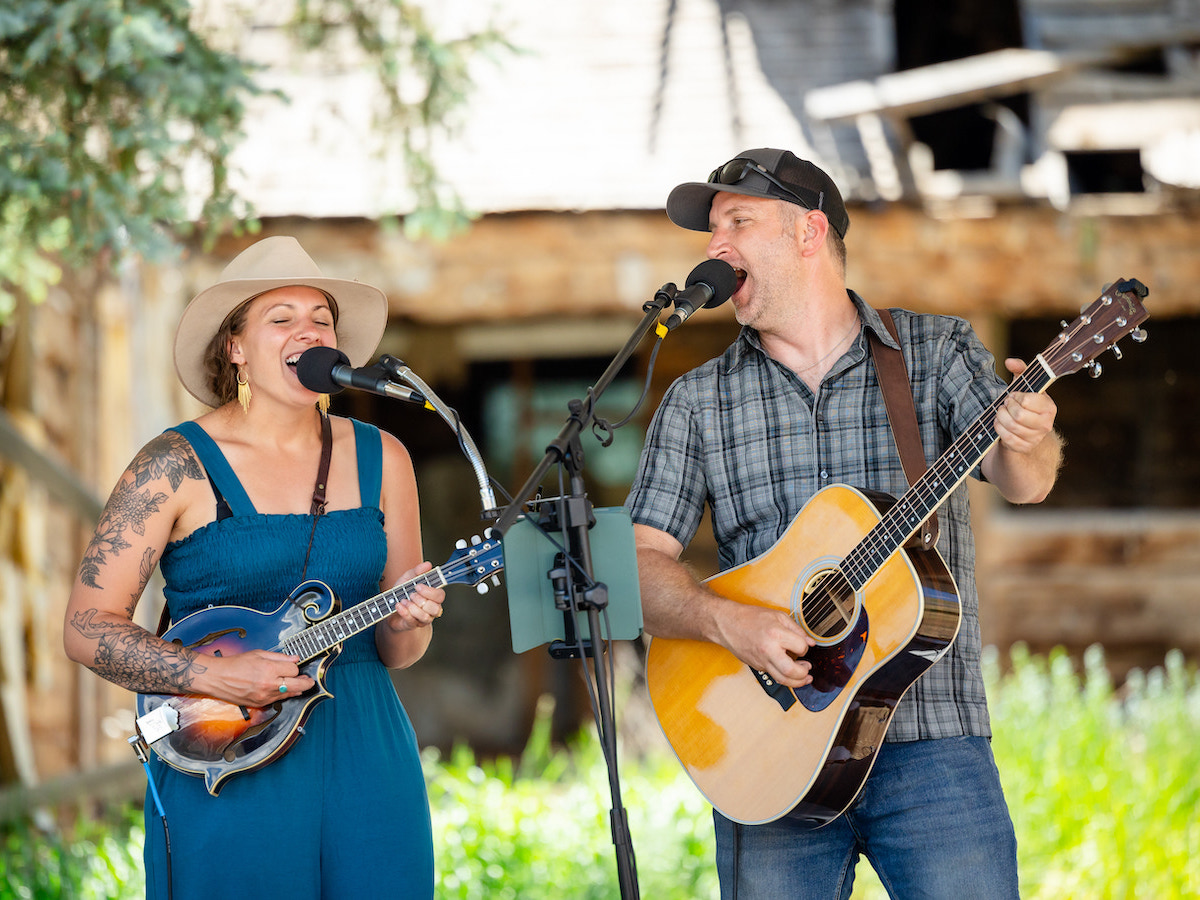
(327, 370)
(399, 371)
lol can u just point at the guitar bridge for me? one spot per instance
(779, 693)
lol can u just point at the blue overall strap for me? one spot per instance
(369, 447)
(220, 473)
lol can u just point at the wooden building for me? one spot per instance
(1001, 167)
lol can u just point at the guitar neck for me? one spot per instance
(321, 636)
(930, 491)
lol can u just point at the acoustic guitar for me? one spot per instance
(217, 740)
(881, 614)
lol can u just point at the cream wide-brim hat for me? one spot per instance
(271, 263)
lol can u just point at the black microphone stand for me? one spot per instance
(576, 575)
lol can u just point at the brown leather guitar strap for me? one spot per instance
(902, 416)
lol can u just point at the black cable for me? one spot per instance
(603, 424)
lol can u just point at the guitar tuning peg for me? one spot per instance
(481, 588)
(475, 539)
(1116, 351)
(1065, 324)
(1139, 335)
(460, 544)
(1094, 369)
(496, 580)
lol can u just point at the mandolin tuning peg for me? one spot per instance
(1139, 335)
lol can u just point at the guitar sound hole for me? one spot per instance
(827, 607)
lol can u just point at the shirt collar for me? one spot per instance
(749, 344)
(870, 319)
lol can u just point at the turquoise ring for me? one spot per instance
(283, 689)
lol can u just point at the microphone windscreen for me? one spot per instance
(719, 276)
(314, 368)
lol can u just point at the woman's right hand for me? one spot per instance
(253, 678)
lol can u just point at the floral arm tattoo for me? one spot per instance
(126, 653)
(168, 456)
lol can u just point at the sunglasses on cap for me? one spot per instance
(736, 170)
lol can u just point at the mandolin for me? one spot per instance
(217, 740)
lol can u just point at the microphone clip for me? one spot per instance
(663, 297)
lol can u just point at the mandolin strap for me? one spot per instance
(318, 498)
(902, 416)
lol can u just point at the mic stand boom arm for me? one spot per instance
(556, 451)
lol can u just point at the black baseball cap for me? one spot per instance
(774, 174)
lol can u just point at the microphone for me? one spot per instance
(710, 284)
(326, 370)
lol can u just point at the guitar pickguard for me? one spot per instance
(833, 666)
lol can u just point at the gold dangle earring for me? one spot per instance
(323, 404)
(243, 391)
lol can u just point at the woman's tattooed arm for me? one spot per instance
(116, 567)
(131, 504)
(128, 655)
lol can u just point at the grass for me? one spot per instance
(1104, 787)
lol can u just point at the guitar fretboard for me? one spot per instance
(931, 490)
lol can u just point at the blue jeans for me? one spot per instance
(931, 820)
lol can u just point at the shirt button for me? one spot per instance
(824, 474)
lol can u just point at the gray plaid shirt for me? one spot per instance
(745, 435)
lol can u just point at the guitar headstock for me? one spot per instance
(475, 562)
(1114, 314)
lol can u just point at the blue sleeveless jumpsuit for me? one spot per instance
(344, 813)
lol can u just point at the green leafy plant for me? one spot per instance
(1103, 783)
(117, 120)
(97, 859)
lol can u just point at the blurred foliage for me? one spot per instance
(99, 858)
(1103, 783)
(117, 118)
